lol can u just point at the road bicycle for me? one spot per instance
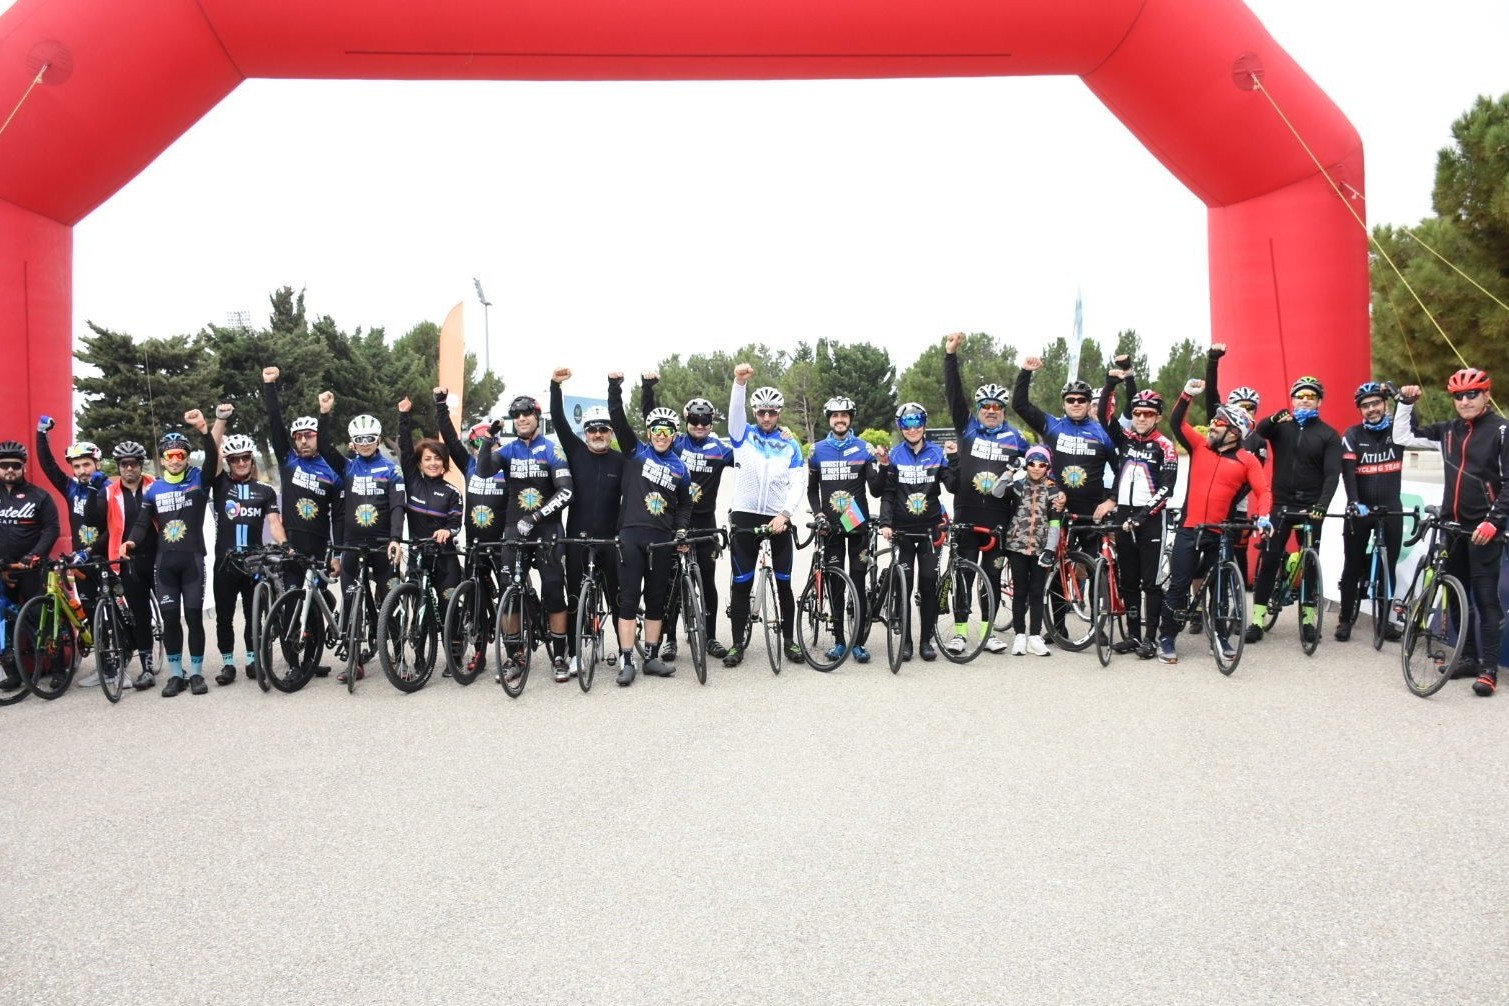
(52, 633)
(300, 625)
(408, 626)
(765, 603)
(1377, 585)
(1221, 607)
(1436, 614)
(966, 602)
(907, 598)
(114, 630)
(264, 566)
(1113, 632)
(594, 630)
(1300, 582)
(827, 610)
(1070, 611)
(470, 613)
(684, 597)
(886, 598)
(521, 619)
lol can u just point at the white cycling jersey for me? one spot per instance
(771, 476)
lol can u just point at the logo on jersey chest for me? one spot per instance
(1073, 476)
(531, 499)
(984, 482)
(483, 516)
(916, 503)
(656, 504)
(307, 509)
(366, 515)
(174, 531)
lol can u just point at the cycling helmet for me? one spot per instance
(364, 426)
(1244, 394)
(767, 398)
(911, 415)
(1148, 399)
(82, 449)
(13, 450)
(173, 442)
(479, 431)
(1310, 383)
(1077, 388)
(838, 403)
(699, 408)
(597, 415)
(1236, 418)
(237, 443)
(1372, 389)
(990, 393)
(129, 450)
(1469, 379)
(304, 424)
(663, 417)
(523, 405)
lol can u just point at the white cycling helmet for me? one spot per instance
(1243, 394)
(840, 403)
(82, 449)
(304, 424)
(991, 393)
(663, 417)
(237, 443)
(364, 426)
(767, 398)
(597, 415)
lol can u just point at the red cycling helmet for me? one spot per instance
(1469, 379)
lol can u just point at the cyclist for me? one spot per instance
(373, 494)
(1031, 541)
(28, 530)
(916, 473)
(1306, 467)
(657, 508)
(707, 457)
(1248, 400)
(1219, 468)
(990, 446)
(1475, 452)
(122, 502)
(1081, 446)
(1148, 469)
(432, 504)
(245, 507)
(841, 473)
(597, 486)
(538, 485)
(83, 493)
(767, 492)
(173, 507)
(485, 504)
(1372, 469)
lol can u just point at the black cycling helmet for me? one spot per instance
(522, 406)
(129, 450)
(1077, 388)
(173, 442)
(1372, 389)
(13, 450)
(700, 411)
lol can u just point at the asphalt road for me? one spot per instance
(1019, 829)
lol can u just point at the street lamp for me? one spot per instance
(487, 338)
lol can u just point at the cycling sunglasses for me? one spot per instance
(364, 439)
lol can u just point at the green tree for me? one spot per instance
(707, 375)
(982, 360)
(143, 388)
(1185, 360)
(865, 373)
(1129, 343)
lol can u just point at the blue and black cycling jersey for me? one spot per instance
(1081, 448)
(85, 500)
(311, 487)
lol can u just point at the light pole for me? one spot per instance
(487, 338)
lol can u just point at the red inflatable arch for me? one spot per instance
(1288, 263)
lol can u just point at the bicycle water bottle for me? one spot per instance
(1291, 563)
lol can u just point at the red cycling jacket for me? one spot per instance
(1215, 477)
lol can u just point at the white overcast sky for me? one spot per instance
(614, 223)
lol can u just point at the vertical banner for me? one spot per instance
(453, 378)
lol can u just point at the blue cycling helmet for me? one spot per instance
(1372, 389)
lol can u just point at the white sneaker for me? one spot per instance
(1019, 645)
(956, 645)
(93, 681)
(1037, 647)
(576, 664)
(994, 644)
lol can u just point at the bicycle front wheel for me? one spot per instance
(463, 641)
(1382, 604)
(1066, 597)
(1002, 621)
(514, 645)
(1226, 615)
(962, 635)
(694, 615)
(898, 615)
(1100, 596)
(262, 599)
(286, 634)
(1435, 630)
(112, 650)
(590, 621)
(46, 647)
(769, 607)
(826, 615)
(1312, 601)
(406, 640)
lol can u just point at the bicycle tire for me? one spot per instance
(513, 652)
(1226, 615)
(770, 618)
(1100, 598)
(591, 620)
(262, 599)
(819, 627)
(898, 615)
(14, 695)
(694, 615)
(1382, 604)
(461, 633)
(1433, 640)
(159, 650)
(1309, 572)
(299, 645)
(967, 577)
(356, 632)
(1002, 621)
(1069, 619)
(46, 647)
(406, 639)
(112, 651)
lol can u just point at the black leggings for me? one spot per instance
(232, 584)
(1478, 567)
(854, 542)
(1356, 569)
(920, 560)
(1272, 556)
(967, 543)
(180, 587)
(642, 569)
(1027, 580)
(1137, 557)
(743, 547)
(137, 585)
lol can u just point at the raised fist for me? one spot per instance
(195, 418)
(327, 401)
(270, 374)
(1193, 386)
(617, 375)
(1217, 350)
(1410, 394)
(650, 377)
(560, 375)
(441, 394)
(45, 424)
(404, 405)
(224, 410)
(952, 342)
(1033, 363)
(742, 373)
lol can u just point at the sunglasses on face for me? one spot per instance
(305, 435)
(991, 407)
(599, 429)
(1144, 413)
(1466, 396)
(1037, 464)
(174, 455)
(911, 422)
(1371, 403)
(240, 459)
(662, 431)
(1307, 396)
(128, 464)
(1220, 426)
(699, 422)
(519, 415)
(762, 413)
(364, 440)
(10, 466)
(1076, 401)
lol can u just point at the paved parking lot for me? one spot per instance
(1019, 829)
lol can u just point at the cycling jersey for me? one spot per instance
(372, 499)
(431, 504)
(1215, 477)
(596, 478)
(707, 458)
(1475, 454)
(985, 455)
(85, 501)
(486, 497)
(657, 488)
(913, 482)
(770, 464)
(537, 480)
(1081, 448)
(1306, 461)
(310, 487)
(1148, 466)
(241, 510)
(1372, 466)
(28, 521)
(174, 507)
(841, 473)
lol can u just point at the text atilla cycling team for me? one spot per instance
(1277, 473)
